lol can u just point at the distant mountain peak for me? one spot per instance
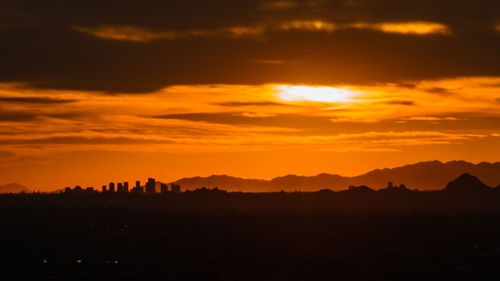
(13, 188)
(362, 188)
(466, 183)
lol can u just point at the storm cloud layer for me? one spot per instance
(142, 46)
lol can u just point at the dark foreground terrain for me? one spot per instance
(203, 237)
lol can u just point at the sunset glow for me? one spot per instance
(183, 121)
(315, 94)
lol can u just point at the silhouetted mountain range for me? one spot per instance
(430, 175)
(13, 188)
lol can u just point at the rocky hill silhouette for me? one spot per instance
(467, 183)
(359, 189)
(13, 188)
(430, 175)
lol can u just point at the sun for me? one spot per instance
(314, 94)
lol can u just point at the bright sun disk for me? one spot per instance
(314, 94)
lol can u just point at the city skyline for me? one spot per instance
(123, 187)
(150, 186)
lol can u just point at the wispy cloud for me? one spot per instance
(431, 118)
(34, 100)
(401, 102)
(126, 33)
(311, 25)
(137, 34)
(141, 34)
(278, 5)
(416, 28)
(257, 103)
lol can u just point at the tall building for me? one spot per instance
(104, 188)
(150, 186)
(164, 188)
(125, 186)
(137, 187)
(120, 187)
(111, 187)
(176, 188)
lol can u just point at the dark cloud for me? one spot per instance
(34, 100)
(300, 124)
(82, 140)
(24, 116)
(67, 115)
(264, 103)
(231, 118)
(243, 118)
(439, 91)
(307, 125)
(407, 85)
(401, 102)
(6, 154)
(17, 116)
(41, 48)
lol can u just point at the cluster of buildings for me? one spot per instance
(123, 187)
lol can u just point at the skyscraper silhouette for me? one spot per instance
(150, 185)
(175, 188)
(111, 187)
(137, 187)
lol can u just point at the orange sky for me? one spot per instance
(260, 131)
